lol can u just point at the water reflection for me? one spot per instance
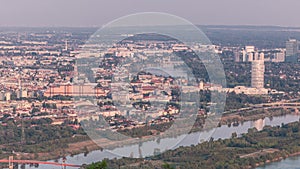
(259, 124)
(136, 150)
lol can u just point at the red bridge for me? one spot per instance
(39, 162)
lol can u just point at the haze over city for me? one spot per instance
(150, 89)
(95, 13)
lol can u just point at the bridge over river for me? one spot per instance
(10, 161)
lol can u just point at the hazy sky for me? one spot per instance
(99, 12)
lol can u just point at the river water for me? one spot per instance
(222, 132)
(289, 163)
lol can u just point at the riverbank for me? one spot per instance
(89, 145)
(252, 115)
(262, 164)
(251, 150)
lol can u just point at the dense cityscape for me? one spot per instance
(42, 75)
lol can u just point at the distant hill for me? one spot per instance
(259, 36)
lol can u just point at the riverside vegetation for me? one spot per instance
(253, 149)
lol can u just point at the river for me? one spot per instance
(222, 132)
(289, 163)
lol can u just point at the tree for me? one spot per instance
(167, 166)
(14, 110)
(98, 165)
(234, 135)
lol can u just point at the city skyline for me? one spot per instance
(55, 88)
(149, 84)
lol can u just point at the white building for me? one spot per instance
(250, 49)
(257, 73)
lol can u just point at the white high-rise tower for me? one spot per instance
(258, 72)
(66, 45)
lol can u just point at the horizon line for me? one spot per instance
(208, 25)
